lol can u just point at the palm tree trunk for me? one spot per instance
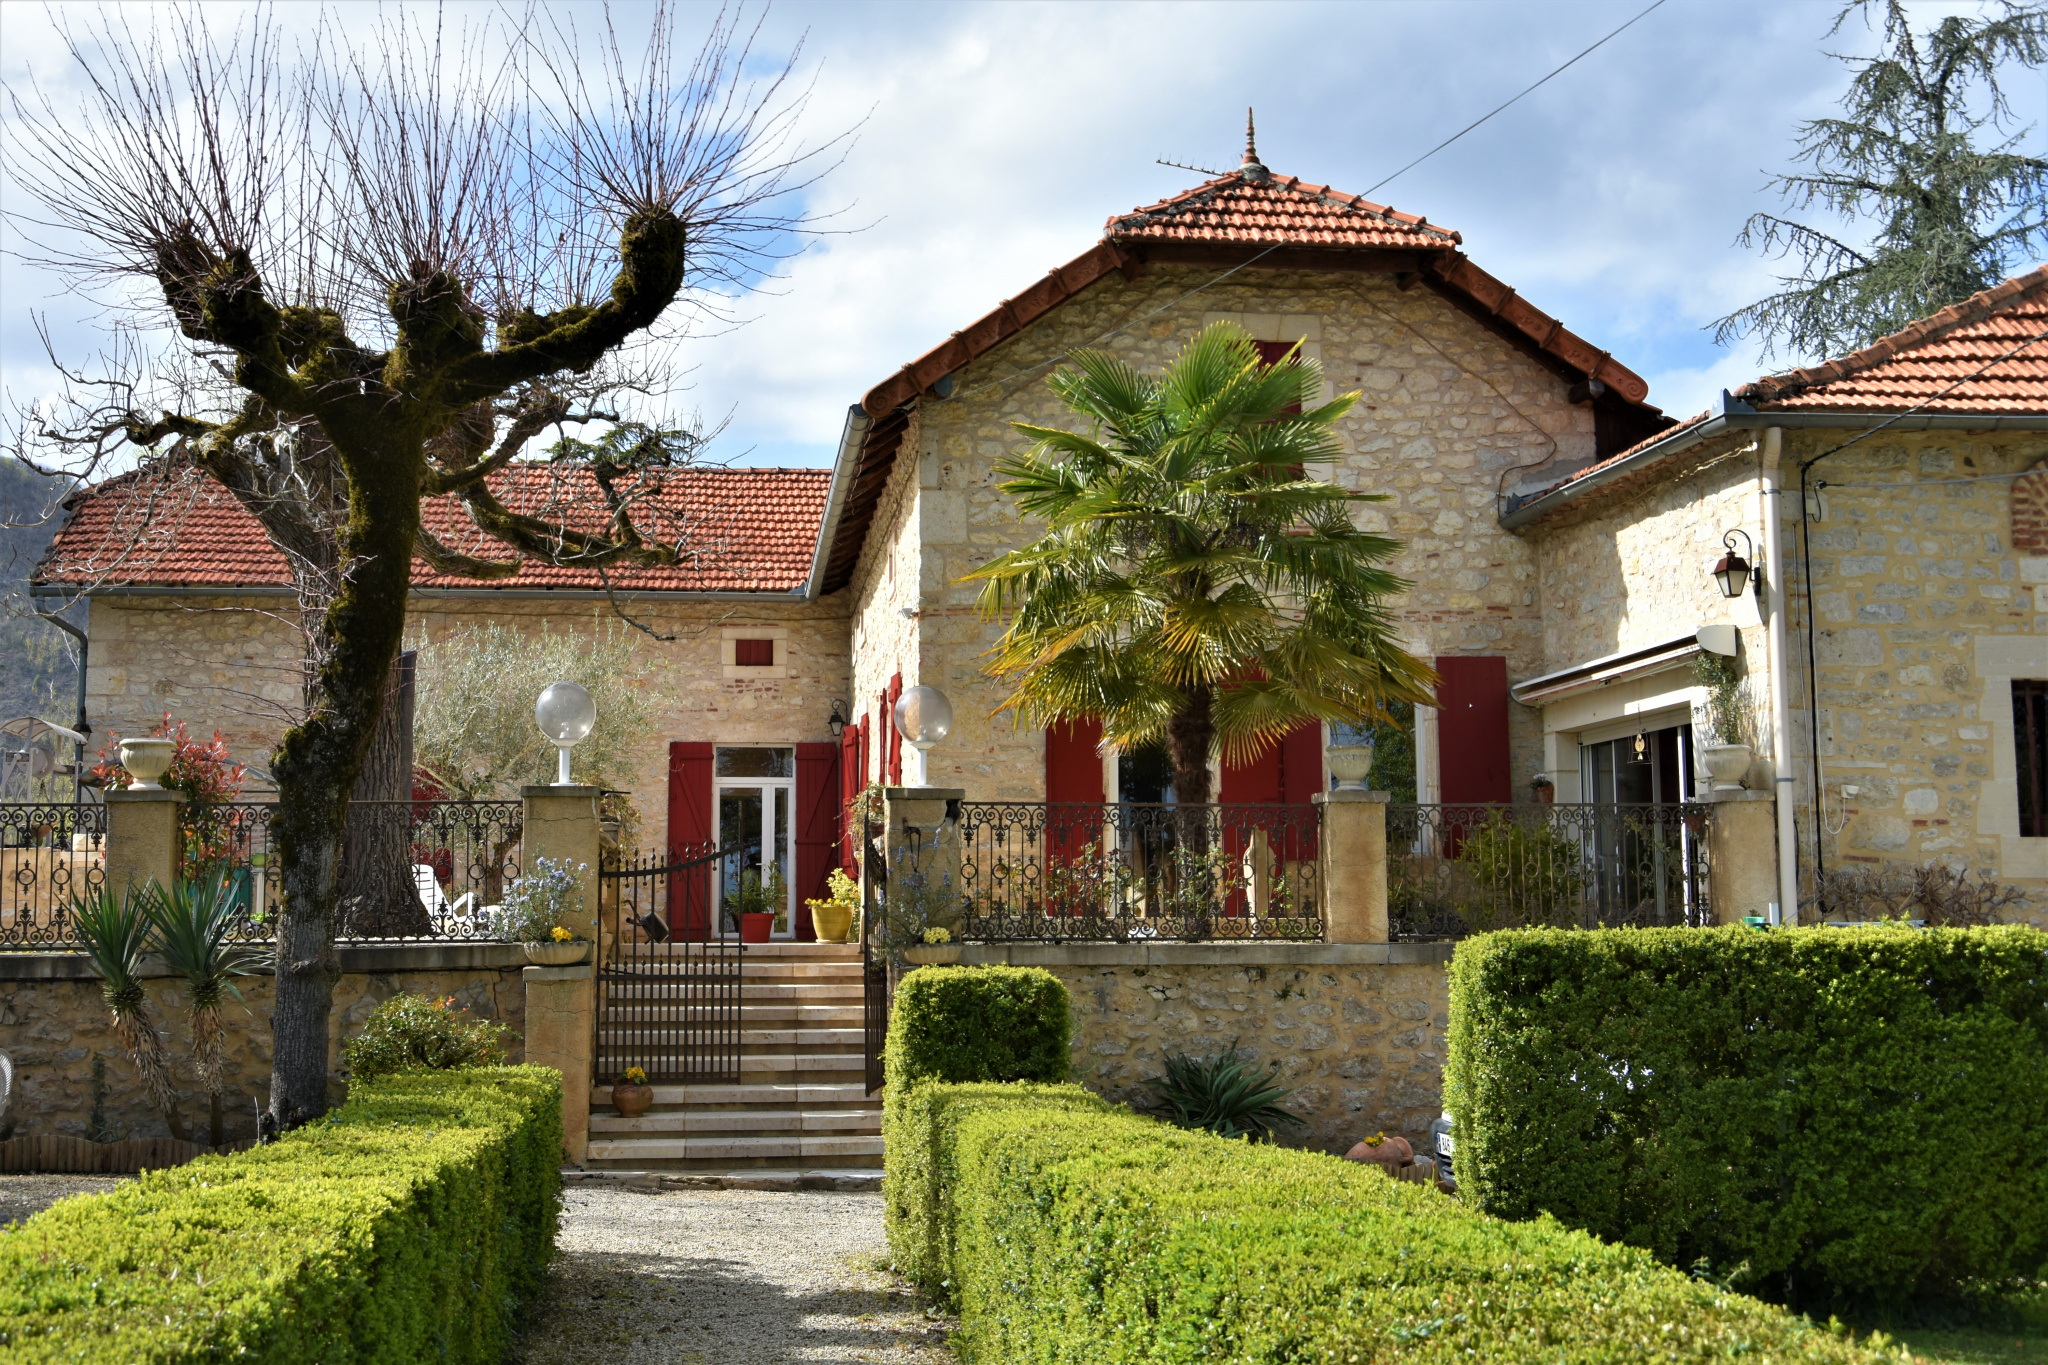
(1190, 736)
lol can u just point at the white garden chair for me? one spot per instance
(436, 901)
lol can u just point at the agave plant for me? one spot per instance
(115, 929)
(193, 921)
(1222, 1095)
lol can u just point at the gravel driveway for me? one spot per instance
(727, 1277)
(23, 1195)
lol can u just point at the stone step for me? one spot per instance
(750, 1036)
(739, 1151)
(766, 1095)
(756, 1121)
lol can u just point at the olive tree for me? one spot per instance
(354, 267)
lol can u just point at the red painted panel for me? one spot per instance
(817, 827)
(753, 653)
(889, 700)
(1301, 763)
(1254, 783)
(850, 766)
(1472, 729)
(1073, 774)
(689, 831)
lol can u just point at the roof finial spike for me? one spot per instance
(1253, 169)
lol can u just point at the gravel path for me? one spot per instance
(22, 1195)
(727, 1277)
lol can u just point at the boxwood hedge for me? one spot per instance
(1081, 1233)
(411, 1224)
(1826, 1114)
(979, 1024)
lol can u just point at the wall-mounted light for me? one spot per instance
(837, 724)
(1732, 572)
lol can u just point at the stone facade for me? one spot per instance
(53, 1028)
(1360, 1043)
(1450, 413)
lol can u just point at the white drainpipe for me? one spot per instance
(1781, 723)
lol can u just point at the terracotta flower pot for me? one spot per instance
(632, 1100)
(756, 928)
(1390, 1156)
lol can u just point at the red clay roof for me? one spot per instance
(1911, 367)
(744, 530)
(1262, 209)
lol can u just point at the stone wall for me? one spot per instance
(888, 581)
(1449, 410)
(1358, 1029)
(52, 1026)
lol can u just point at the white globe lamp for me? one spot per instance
(923, 717)
(565, 713)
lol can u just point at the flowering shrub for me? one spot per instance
(207, 776)
(418, 1033)
(536, 904)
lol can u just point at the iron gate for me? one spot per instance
(876, 984)
(668, 991)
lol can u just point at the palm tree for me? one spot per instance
(1195, 583)
(115, 929)
(193, 922)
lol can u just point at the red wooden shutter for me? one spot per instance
(1073, 775)
(849, 787)
(753, 653)
(1472, 729)
(889, 699)
(817, 827)
(689, 835)
(1253, 783)
(1271, 353)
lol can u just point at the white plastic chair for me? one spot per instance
(436, 901)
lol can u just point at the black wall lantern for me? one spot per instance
(1732, 572)
(837, 725)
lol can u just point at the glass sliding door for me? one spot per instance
(756, 794)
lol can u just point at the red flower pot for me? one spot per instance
(756, 928)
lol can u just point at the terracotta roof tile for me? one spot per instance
(745, 530)
(1263, 209)
(1911, 367)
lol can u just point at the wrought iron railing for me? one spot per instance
(1457, 870)
(669, 988)
(1034, 871)
(50, 852)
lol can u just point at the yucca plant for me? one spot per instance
(193, 922)
(116, 930)
(1222, 1095)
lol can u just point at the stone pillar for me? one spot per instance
(1354, 865)
(1742, 855)
(144, 843)
(561, 822)
(559, 1034)
(915, 835)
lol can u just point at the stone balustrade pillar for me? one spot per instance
(916, 838)
(1354, 865)
(1742, 855)
(144, 841)
(561, 1003)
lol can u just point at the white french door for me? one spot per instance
(754, 791)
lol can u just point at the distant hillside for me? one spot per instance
(39, 675)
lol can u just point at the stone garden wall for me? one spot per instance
(54, 1025)
(1358, 1029)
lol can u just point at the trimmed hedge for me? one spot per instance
(964, 1024)
(1085, 1234)
(1849, 1114)
(411, 1224)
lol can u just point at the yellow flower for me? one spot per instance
(937, 936)
(560, 935)
(636, 1076)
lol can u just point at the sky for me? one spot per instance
(991, 141)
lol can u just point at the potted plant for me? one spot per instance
(756, 905)
(834, 917)
(632, 1096)
(937, 950)
(1727, 761)
(540, 911)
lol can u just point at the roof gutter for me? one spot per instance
(1736, 415)
(843, 469)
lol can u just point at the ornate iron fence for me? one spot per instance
(1034, 871)
(669, 992)
(1456, 870)
(49, 853)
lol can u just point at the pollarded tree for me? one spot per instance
(1947, 217)
(1196, 581)
(387, 262)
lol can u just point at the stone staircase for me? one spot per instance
(800, 1111)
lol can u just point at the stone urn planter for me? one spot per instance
(932, 954)
(557, 954)
(1389, 1154)
(832, 919)
(147, 760)
(1350, 764)
(632, 1100)
(1726, 763)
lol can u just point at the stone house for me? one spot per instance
(809, 591)
(1892, 651)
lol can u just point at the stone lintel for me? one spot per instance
(1268, 954)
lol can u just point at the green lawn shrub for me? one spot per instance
(420, 1033)
(979, 1024)
(1822, 1115)
(1085, 1233)
(412, 1224)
